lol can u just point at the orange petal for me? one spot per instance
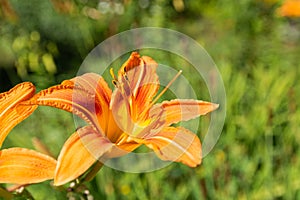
(148, 85)
(290, 8)
(137, 85)
(24, 166)
(10, 113)
(96, 85)
(176, 144)
(183, 109)
(140, 84)
(132, 62)
(121, 150)
(79, 153)
(122, 147)
(84, 96)
(121, 111)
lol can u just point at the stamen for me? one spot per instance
(126, 77)
(111, 71)
(166, 88)
(114, 81)
(162, 92)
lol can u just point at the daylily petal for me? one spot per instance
(122, 147)
(290, 8)
(122, 116)
(120, 109)
(132, 62)
(176, 144)
(79, 153)
(142, 82)
(148, 86)
(62, 97)
(131, 100)
(10, 113)
(184, 109)
(24, 166)
(94, 84)
(87, 96)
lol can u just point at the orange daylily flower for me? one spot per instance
(122, 120)
(10, 114)
(20, 165)
(290, 8)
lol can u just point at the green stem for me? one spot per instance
(5, 194)
(91, 174)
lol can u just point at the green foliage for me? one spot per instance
(256, 51)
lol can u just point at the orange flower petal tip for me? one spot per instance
(25, 166)
(290, 8)
(11, 112)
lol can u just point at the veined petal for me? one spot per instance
(10, 113)
(79, 153)
(15, 95)
(147, 87)
(176, 144)
(184, 109)
(24, 166)
(141, 75)
(132, 62)
(120, 108)
(137, 128)
(140, 85)
(62, 97)
(137, 85)
(94, 84)
(122, 147)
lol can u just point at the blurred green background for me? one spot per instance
(256, 50)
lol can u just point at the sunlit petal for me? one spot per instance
(122, 147)
(10, 113)
(176, 144)
(132, 62)
(290, 8)
(142, 82)
(62, 97)
(94, 84)
(184, 109)
(137, 128)
(137, 85)
(24, 166)
(79, 153)
(120, 108)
